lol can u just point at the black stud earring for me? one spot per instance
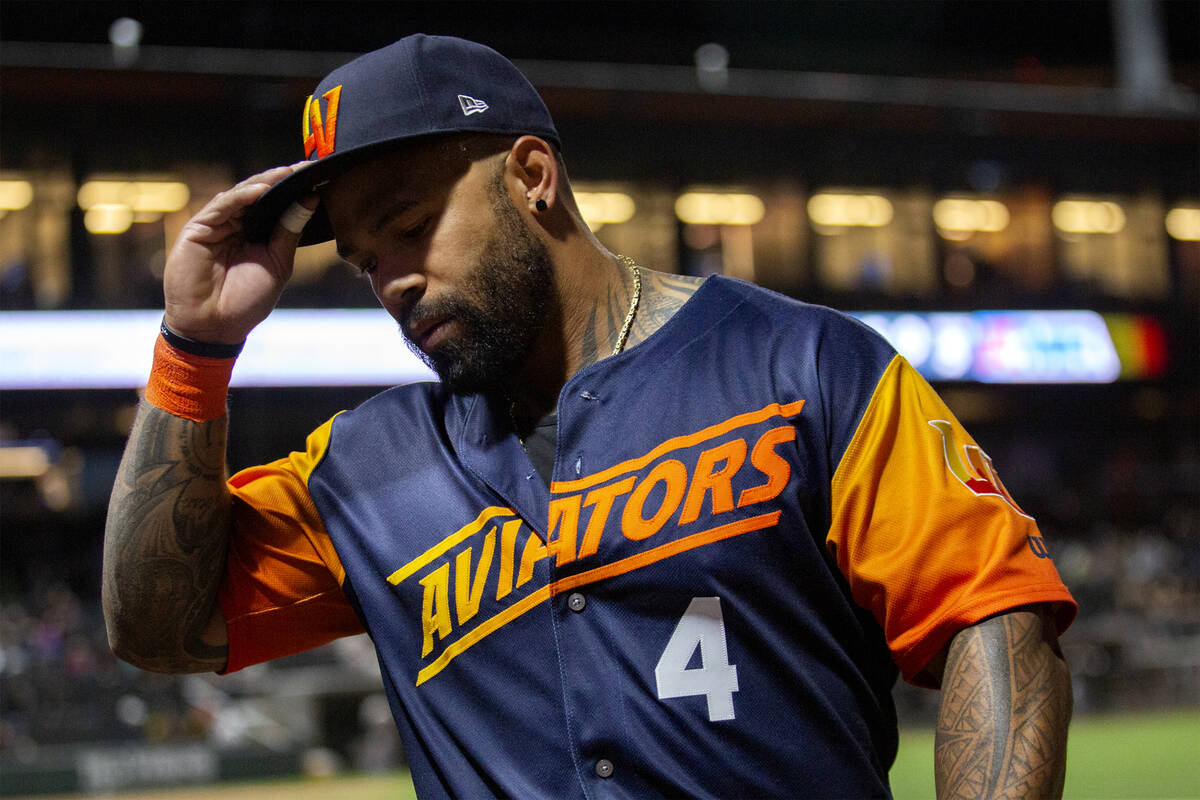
(540, 205)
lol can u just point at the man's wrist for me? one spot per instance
(198, 348)
(188, 385)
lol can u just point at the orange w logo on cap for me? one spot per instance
(319, 136)
(976, 472)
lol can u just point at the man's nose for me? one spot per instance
(401, 288)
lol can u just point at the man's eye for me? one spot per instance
(416, 231)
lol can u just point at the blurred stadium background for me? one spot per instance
(918, 163)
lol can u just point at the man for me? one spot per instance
(648, 536)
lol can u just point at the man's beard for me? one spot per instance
(500, 310)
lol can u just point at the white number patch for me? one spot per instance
(701, 626)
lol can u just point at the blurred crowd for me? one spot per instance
(61, 684)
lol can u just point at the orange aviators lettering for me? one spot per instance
(977, 472)
(320, 136)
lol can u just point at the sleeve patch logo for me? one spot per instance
(973, 467)
(319, 136)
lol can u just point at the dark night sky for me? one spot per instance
(969, 39)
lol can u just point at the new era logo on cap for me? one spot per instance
(471, 106)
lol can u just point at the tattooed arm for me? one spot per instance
(1006, 703)
(168, 520)
(165, 543)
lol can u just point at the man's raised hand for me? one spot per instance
(218, 286)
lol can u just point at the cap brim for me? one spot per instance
(260, 219)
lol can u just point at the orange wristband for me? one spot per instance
(188, 386)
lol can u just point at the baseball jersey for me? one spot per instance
(758, 515)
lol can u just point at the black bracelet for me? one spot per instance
(206, 349)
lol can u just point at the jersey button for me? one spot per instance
(604, 768)
(577, 602)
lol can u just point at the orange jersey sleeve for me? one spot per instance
(282, 591)
(924, 531)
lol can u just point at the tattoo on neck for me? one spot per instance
(590, 348)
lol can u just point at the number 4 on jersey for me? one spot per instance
(702, 626)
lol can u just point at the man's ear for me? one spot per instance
(531, 161)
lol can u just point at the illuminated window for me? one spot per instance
(1114, 245)
(131, 220)
(1088, 216)
(719, 208)
(995, 245)
(873, 240)
(756, 233)
(605, 208)
(960, 218)
(830, 211)
(112, 206)
(1183, 224)
(632, 219)
(14, 195)
(34, 239)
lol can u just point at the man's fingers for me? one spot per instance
(295, 217)
(245, 192)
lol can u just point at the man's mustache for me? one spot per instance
(424, 311)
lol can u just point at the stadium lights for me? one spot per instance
(1184, 224)
(153, 196)
(15, 195)
(958, 218)
(108, 218)
(112, 206)
(829, 210)
(605, 208)
(1088, 216)
(23, 461)
(713, 208)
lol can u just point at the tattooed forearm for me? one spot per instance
(165, 543)
(1006, 704)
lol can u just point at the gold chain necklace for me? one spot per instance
(622, 337)
(633, 305)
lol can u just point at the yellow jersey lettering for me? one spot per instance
(445, 545)
(564, 517)
(634, 524)
(720, 483)
(435, 607)
(769, 463)
(534, 552)
(468, 591)
(602, 499)
(508, 552)
(644, 507)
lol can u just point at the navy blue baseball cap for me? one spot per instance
(417, 87)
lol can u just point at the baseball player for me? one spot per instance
(648, 536)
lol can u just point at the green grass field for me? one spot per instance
(1151, 756)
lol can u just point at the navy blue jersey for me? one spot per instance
(713, 596)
